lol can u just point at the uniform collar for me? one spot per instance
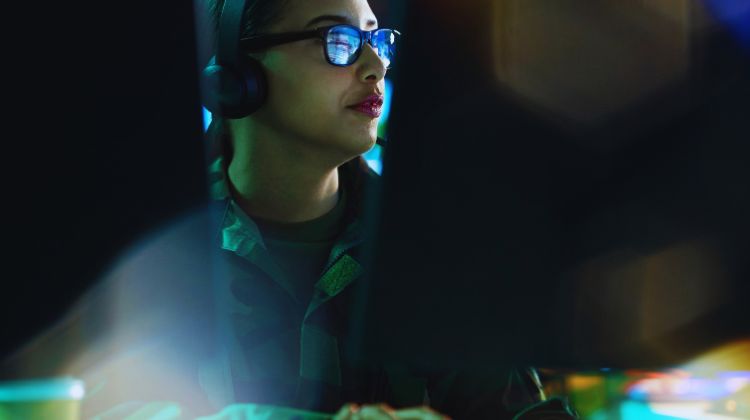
(238, 233)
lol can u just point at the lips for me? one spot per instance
(372, 106)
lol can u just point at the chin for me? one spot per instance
(351, 147)
(359, 142)
(368, 143)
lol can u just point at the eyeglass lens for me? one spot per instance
(343, 44)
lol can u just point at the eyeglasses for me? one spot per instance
(342, 44)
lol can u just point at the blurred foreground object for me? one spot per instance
(575, 193)
(552, 409)
(590, 64)
(40, 399)
(714, 385)
(140, 334)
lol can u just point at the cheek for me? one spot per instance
(308, 94)
(308, 97)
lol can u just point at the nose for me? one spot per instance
(370, 67)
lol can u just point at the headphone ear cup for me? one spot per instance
(234, 93)
(255, 85)
(211, 80)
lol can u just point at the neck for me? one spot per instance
(279, 179)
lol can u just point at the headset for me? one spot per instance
(235, 85)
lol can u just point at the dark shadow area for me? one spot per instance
(510, 235)
(104, 144)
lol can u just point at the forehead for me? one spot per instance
(298, 13)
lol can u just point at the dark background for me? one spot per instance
(102, 145)
(494, 210)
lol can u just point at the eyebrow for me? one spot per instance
(339, 19)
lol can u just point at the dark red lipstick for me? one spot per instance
(371, 106)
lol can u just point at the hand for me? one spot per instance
(386, 412)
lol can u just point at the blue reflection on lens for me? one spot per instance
(384, 43)
(342, 44)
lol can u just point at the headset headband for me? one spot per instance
(230, 32)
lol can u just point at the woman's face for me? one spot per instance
(309, 99)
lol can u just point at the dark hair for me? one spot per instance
(259, 15)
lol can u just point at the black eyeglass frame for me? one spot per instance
(258, 43)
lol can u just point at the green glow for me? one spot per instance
(382, 128)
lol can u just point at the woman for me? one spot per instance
(295, 104)
(292, 177)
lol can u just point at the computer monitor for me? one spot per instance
(515, 232)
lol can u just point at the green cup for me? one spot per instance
(41, 399)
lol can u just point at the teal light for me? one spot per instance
(42, 390)
(206, 118)
(634, 410)
(386, 101)
(374, 159)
